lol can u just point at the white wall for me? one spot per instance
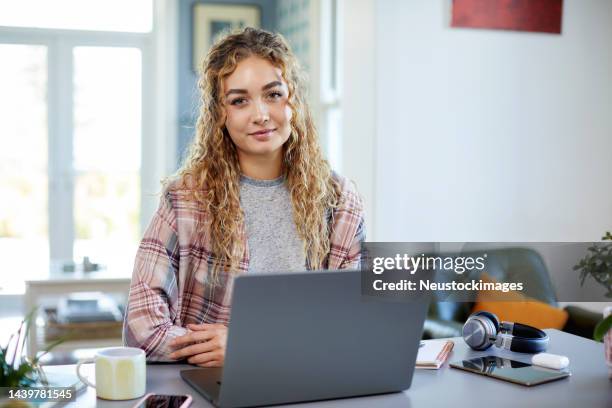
(358, 102)
(482, 135)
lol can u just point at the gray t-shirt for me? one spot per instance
(274, 244)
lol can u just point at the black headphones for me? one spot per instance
(483, 329)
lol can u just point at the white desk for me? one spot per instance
(588, 386)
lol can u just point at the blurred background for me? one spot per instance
(450, 133)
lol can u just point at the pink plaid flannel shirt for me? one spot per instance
(169, 287)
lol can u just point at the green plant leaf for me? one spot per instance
(22, 374)
(597, 264)
(602, 328)
(50, 347)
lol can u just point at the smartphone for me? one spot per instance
(166, 401)
(510, 370)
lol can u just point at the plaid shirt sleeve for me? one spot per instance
(152, 319)
(348, 228)
(353, 257)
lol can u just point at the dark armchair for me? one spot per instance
(445, 319)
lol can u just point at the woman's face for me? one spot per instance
(258, 116)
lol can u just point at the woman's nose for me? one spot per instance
(261, 114)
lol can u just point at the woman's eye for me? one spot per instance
(238, 101)
(275, 95)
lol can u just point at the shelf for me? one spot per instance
(37, 291)
(82, 344)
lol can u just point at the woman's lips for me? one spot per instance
(263, 135)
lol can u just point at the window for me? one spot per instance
(23, 157)
(331, 118)
(71, 133)
(106, 151)
(107, 15)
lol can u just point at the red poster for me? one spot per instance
(522, 15)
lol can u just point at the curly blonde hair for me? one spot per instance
(211, 172)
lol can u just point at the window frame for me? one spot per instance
(330, 87)
(158, 155)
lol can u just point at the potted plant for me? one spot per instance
(16, 370)
(598, 265)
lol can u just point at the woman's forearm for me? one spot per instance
(154, 340)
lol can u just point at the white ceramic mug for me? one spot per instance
(120, 373)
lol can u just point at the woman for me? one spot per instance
(254, 195)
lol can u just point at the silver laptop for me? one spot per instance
(311, 336)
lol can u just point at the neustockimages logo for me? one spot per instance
(413, 264)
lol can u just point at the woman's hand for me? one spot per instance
(204, 345)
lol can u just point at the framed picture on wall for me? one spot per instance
(211, 20)
(544, 16)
